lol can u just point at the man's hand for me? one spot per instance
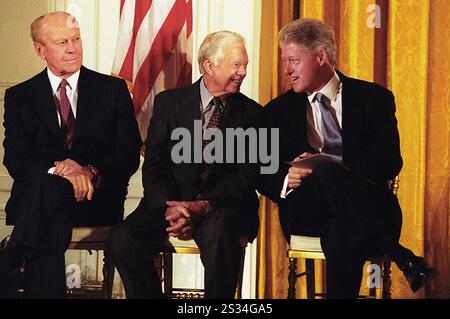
(180, 222)
(79, 176)
(296, 174)
(196, 208)
(82, 186)
(182, 216)
(68, 167)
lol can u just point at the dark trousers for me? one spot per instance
(42, 233)
(140, 238)
(43, 224)
(355, 219)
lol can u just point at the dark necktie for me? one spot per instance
(332, 140)
(214, 122)
(216, 117)
(67, 118)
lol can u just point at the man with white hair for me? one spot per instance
(215, 204)
(71, 145)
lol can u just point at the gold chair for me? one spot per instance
(308, 248)
(176, 246)
(94, 238)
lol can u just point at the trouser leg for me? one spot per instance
(42, 233)
(133, 245)
(45, 275)
(346, 210)
(344, 267)
(220, 252)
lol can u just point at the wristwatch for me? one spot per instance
(95, 174)
(93, 170)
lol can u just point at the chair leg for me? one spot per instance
(108, 275)
(386, 293)
(292, 278)
(238, 294)
(310, 279)
(168, 273)
(324, 279)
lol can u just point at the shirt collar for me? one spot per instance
(330, 90)
(206, 96)
(56, 80)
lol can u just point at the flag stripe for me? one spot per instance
(185, 75)
(141, 10)
(161, 48)
(189, 18)
(153, 23)
(122, 2)
(124, 37)
(153, 50)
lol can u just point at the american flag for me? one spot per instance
(154, 51)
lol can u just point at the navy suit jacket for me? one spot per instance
(105, 136)
(370, 139)
(230, 185)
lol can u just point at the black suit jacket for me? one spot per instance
(230, 186)
(370, 140)
(105, 136)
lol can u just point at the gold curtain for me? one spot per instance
(272, 261)
(402, 45)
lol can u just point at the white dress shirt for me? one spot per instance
(333, 91)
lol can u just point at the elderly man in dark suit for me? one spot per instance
(214, 203)
(345, 201)
(71, 145)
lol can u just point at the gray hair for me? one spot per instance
(38, 25)
(311, 34)
(213, 46)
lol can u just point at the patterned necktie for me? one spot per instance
(332, 140)
(214, 122)
(216, 117)
(67, 118)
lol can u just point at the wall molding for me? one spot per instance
(56, 5)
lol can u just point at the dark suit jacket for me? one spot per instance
(230, 186)
(370, 139)
(105, 136)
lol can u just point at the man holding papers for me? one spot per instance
(342, 195)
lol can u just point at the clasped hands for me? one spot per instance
(79, 176)
(296, 174)
(183, 215)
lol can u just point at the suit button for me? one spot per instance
(203, 176)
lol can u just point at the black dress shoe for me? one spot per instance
(418, 273)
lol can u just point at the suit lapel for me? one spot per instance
(190, 108)
(47, 107)
(87, 99)
(351, 118)
(293, 127)
(233, 113)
